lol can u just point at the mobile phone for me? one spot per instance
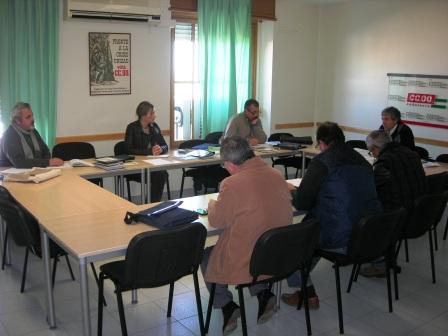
(202, 211)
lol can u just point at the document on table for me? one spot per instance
(295, 182)
(160, 162)
(13, 170)
(158, 156)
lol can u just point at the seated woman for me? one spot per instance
(143, 137)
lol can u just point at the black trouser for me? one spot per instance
(158, 179)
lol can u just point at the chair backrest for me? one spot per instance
(160, 257)
(191, 143)
(280, 251)
(23, 229)
(279, 136)
(74, 150)
(213, 137)
(442, 158)
(426, 212)
(422, 152)
(357, 144)
(373, 234)
(435, 183)
(120, 148)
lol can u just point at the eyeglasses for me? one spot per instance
(130, 217)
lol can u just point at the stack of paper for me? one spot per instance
(109, 163)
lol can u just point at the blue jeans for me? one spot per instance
(295, 281)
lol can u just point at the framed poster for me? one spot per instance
(422, 99)
(109, 63)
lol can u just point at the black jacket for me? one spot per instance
(399, 176)
(139, 143)
(403, 135)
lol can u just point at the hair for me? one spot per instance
(236, 150)
(378, 138)
(250, 102)
(16, 112)
(143, 108)
(392, 112)
(330, 133)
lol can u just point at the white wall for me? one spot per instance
(294, 64)
(79, 113)
(361, 41)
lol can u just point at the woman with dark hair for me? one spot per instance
(144, 137)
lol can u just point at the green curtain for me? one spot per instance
(224, 60)
(29, 42)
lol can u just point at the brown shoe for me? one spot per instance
(294, 298)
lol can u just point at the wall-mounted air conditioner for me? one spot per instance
(124, 10)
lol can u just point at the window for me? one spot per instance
(185, 81)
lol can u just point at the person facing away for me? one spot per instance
(338, 189)
(252, 200)
(247, 124)
(399, 131)
(144, 137)
(399, 180)
(22, 145)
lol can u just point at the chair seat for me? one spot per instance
(290, 161)
(115, 270)
(343, 259)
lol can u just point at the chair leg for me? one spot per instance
(181, 191)
(406, 249)
(358, 269)
(243, 311)
(124, 330)
(305, 300)
(168, 190)
(69, 267)
(97, 281)
(297, 173)
(5, 243)
(128, 185)
(198, 303)
(286, 172)
(25, 264)
(170, 300)
(352, 276)
(431, 251)
(446, 230)
(436, 244)
(100, 304)
(209, 308)
(53, 275)
(338, 293)
(395, 282)
(389, 290)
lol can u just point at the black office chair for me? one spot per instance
(289, 161)
(369, 240)
(76, 150)
(422, 152)
(436, 184)
(424, 216)
(444, 158)
(120, 148)
(213, 137)
(155, 259)
(278, 253)
(357, 144)
(25, 233)
(205, 176)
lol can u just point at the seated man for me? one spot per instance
(337, 189)
(399, 179)
(247, 124)
(398, 131)
(21, 145)
(254, 199)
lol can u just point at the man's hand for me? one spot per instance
(156, 150)
(253, 141)
(55, 162)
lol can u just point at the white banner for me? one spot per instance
(421, 99)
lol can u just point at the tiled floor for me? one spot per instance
(421, 310)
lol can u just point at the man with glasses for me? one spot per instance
(247, 124)
(252, 200)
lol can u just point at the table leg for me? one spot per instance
(278, 292)
(134, 296)
(48, 288)
(116, 186)
(7, 255)
(148, 189)
(86, 323)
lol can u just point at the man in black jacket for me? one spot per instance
(399, 179)
(399, 132)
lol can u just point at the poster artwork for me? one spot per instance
(109, 63)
